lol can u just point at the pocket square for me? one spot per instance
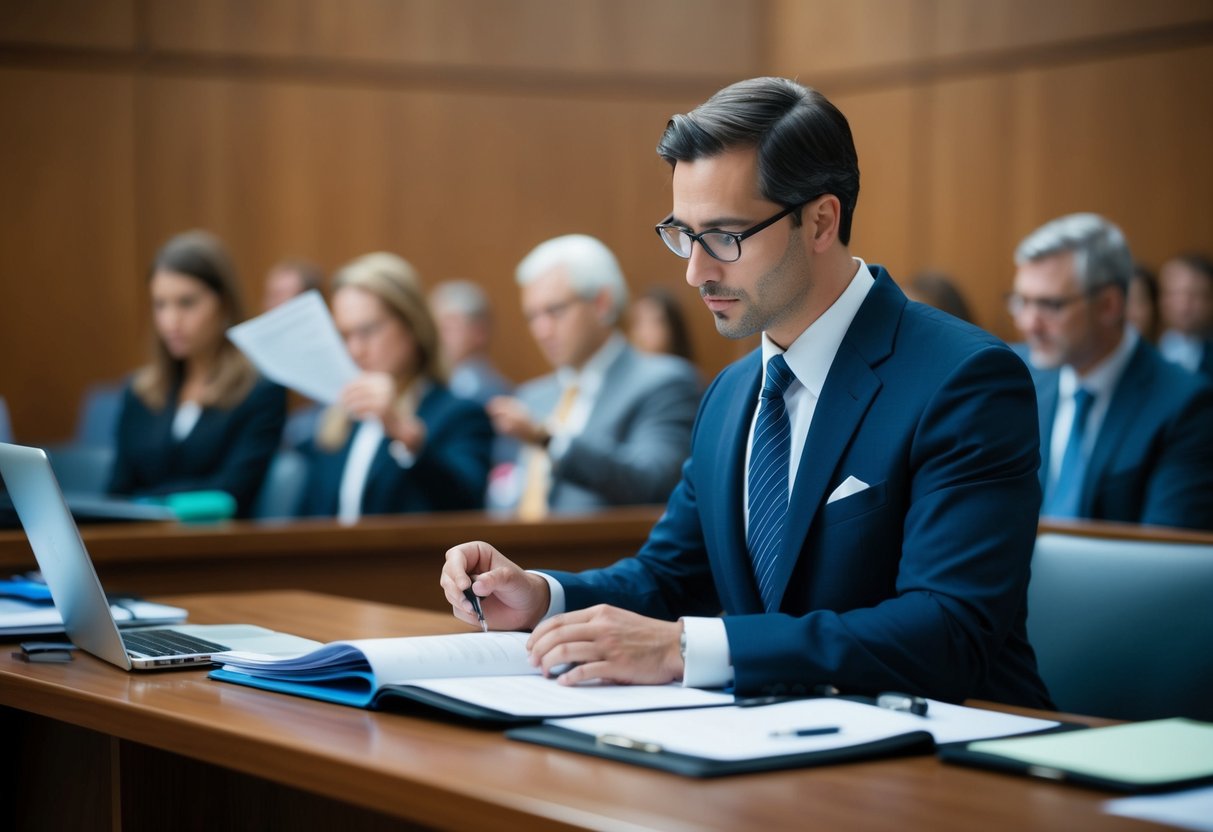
(851, 485)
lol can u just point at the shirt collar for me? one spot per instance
(811, 354)
(589, 378)
(1103, 377)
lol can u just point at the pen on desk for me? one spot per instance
(475, 600)
(807, 732)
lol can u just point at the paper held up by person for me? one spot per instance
(297, 345)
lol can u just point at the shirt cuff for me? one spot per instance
(557, 591)
(401, 453)
(707, 662)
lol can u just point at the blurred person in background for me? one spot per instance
(198, 417)
(610, 425)
(289, 279)
(398, 440)
(1142, 306)
(657, 325)
(1125, 435)
(940, 291)
(465, 329)
(1186, 302)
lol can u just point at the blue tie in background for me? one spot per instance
(1067, 491)
(768, 477)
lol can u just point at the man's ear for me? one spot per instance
(604, 307)
(819, 221)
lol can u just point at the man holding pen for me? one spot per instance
(861, 496)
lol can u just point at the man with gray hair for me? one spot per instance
(610, 426)
(1125, 435)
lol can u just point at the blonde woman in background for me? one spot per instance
(399, 440)
(198, 417)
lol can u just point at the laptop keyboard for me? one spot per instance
(167, 643)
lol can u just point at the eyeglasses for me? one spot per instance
(555, 311)
(1018, 304)
(724, 246)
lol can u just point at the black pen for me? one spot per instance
(807, 732)
(475, 599)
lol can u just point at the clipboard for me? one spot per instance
(688, 765)
(1136, 758)
(789, 734)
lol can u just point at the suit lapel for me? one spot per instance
(1131, 390)
(848, 392)
(1046, 409)
(730, 444)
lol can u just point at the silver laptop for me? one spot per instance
(77, 593)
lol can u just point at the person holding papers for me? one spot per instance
(198, 417)
(861, 496)
(398, 440)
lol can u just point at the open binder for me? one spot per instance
(739, 739)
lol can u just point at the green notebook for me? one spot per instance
(1136, 757)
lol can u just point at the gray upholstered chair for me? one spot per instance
(1124, 628)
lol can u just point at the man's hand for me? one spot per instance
(511, 598)
(610, 644)
(511, 418)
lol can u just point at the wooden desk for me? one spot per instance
(104, 749)
(393, 559)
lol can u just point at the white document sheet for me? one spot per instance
(1188, 809)
(738, 733)
(297, 345)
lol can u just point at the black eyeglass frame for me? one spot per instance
(737, 236)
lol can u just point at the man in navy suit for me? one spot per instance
(1125, 434)
(907, 462)
(1186, 301)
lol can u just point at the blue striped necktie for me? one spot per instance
(1066, 499)
(768, 478)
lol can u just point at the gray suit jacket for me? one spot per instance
(635, 441)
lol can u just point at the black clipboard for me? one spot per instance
(913, 742)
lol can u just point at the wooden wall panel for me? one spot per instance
(67, 267)
(683, 37)
(964, 27)
(107, 24)
(891, 218)
(461, 185)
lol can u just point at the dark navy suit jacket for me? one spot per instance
(228, 450)
(917, 583)
(1153, 458)
(450, 474)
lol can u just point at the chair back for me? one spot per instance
(1124, 628)
(82, 469)
(282, 490)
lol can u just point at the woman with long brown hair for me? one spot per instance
(198, 416)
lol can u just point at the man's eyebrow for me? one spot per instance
(716, 222)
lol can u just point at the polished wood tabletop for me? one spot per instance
(431, 774)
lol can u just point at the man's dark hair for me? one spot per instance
(1198, 263)
(804, 143)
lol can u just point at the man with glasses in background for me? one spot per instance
(610, 426)
(1125, 435)
(861, 497)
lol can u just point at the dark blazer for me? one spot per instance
(228, 450)
(917, 583)
(635, 440)
(450, 474)
(1153, 458)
